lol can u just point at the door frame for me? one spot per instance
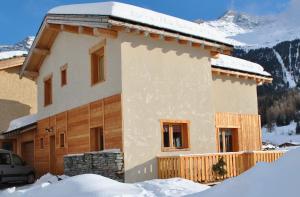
(52, 158)
(235, 138)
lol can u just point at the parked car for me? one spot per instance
(14, 169)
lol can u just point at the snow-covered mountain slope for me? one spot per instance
(18, 49)
(255, 31)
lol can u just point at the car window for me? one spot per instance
(5, 159)
(17, 160)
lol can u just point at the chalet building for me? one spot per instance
(116, 76)
(17, 99)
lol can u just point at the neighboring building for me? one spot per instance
(18, 97)
(111, 75)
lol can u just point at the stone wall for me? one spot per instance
(109, 163)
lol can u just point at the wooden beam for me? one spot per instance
(208, 47)
(105, 32)
(227, 52)
(197, 45)
(214, 54)
(69, 28)
(219, 71)
(41, 51)
(31, 74)
(117, 28)
(154, 36)
(53, 27)
(169, 38)
(180, 41)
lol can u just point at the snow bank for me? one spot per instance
(226, 61)
(276, 179)
(141, 15)
(94, 185)
(21, 122)
(280, 135)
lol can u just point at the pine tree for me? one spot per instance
(219, 168)
(298, 128)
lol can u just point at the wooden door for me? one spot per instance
(52, 154)
(27, 151)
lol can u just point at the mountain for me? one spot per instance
(19, 49)
(273, 41)
(253, 32)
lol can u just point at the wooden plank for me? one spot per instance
(199, 167)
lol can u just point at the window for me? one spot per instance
(48, 91)
(227, 140)
(175, 135)
(5, 159)
(7, 146)
(42, 143)
(62, 140)
(97, 66)
(63, 75)
(17, 160)
(97, 140)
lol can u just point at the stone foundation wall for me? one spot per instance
(108, 163)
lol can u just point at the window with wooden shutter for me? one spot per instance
(97, 66)
(175, 135)
(48, 91)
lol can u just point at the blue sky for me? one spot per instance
(20, 18)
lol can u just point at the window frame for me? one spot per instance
(221, 136)
(50, 93)
(64, 78)
(184, 141)
(100, 46)
(62, 142)
(42, 143)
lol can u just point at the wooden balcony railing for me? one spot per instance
(199, 167)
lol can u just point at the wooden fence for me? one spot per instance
(199, 167)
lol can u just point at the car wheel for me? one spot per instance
(30, 178)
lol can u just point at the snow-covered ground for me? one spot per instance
(90, 185)
(276, 179)
(280, 135)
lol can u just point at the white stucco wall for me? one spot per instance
(163, 80)
(73, 49)
(231, 94)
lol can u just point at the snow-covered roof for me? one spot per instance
(141, 15)
(21, 122)
(233, 63)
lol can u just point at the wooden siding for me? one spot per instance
(199, 167)
(75, 124)
(248, 128)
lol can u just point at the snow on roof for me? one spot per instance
(141, 15)
(229, 62)
(21, 122)
(11, 54)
